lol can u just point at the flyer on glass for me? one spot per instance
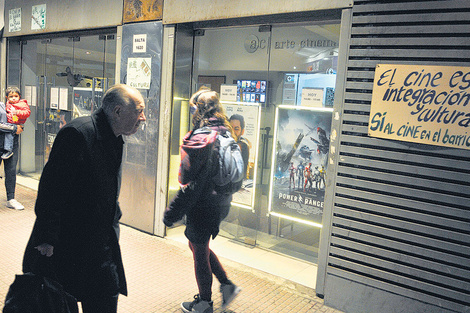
(300, 154)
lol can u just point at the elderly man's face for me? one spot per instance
(131, 116)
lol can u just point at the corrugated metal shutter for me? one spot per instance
(401, 211)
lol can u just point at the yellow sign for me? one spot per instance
(422, 104)
(142, 10)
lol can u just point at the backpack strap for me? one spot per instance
(202, 130)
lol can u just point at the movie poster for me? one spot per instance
(245, 123)
(300, 154)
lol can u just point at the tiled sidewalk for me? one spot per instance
(159, 271)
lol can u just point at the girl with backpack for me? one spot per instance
(197, 198)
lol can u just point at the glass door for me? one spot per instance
(237, 60)
(62, 78)
(221, 65)
(58, 76)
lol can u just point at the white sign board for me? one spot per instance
(54, 98)
(140, 43)
(228, 93)
(247, 138)
(30, 95)
(63, 98)
(312, 97)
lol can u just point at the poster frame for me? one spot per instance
(255, 146)
(273, 163)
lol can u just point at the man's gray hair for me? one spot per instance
(114, 96)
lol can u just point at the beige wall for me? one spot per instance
(66, 15)
(181, 11)
(79, 14)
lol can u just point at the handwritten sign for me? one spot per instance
(139, 72)
(14, 22)
(422, 104)
(38, 17)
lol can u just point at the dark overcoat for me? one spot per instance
(77, 209)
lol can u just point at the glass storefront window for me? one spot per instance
(281, 80)
(62, 78)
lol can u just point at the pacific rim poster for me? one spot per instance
(300, 154)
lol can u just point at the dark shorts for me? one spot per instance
(204, 224)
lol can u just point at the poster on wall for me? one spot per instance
(38, 17)
(421, 104)
(83, 102)
(30, 94)
(300, 153)
(14, 21)
(139, 72)
(245, 123)
(63, 98)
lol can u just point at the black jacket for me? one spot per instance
(77, 210)
(203, 206)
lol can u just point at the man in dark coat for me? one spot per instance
(77, 212)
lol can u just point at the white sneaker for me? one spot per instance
(13, 204)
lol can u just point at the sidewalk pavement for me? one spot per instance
(159, 271)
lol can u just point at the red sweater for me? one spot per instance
(21, 112)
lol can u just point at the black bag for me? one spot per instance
(31, 293)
